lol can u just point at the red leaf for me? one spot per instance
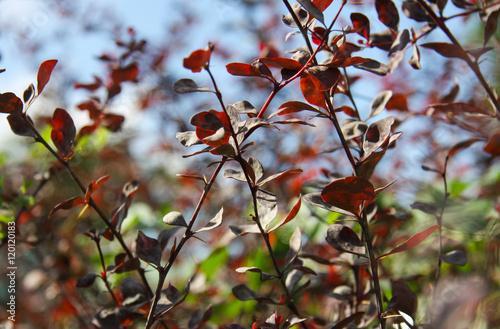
(44, 72)
(242, 69)
(361, 24)
(352, 194)
(319, 33)
(197, 60)
(311, 94)
(210, 123)
(285, 63)
(493, 145)
(64, 132)
(353, 61)
(453, 109)
(127, 73)
(446, 49)
(322, 4)
(68, 204)
(10, 103)
(398, 102)
(387, 13)
(414, 241)
(291, 215)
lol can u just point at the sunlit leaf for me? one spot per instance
(295, 244)
(188, 138)
(379, 103)
(415, 11)
(28, 93)
(280, 175)
(263, 275)
(294, 107)
(377, 135)
(174, 218)
(401, 41)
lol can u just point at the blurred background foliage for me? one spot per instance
(53, 253)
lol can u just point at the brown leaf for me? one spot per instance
(446, 49)
(491, 26)
(343, 238)
(68, 204)
(493, 145)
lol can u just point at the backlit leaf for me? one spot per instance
(291, 215)
(44, 72)
(64, 132)
(184, 86)
(387, 13)
(10, 103)
(322, 4)
(197, 60)
(343, 238)
(412, 242)
(351, 194)
(148, 249)
(316, 200)
(361, 25)
(242, 69)
(68, 204)
(311, 94)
